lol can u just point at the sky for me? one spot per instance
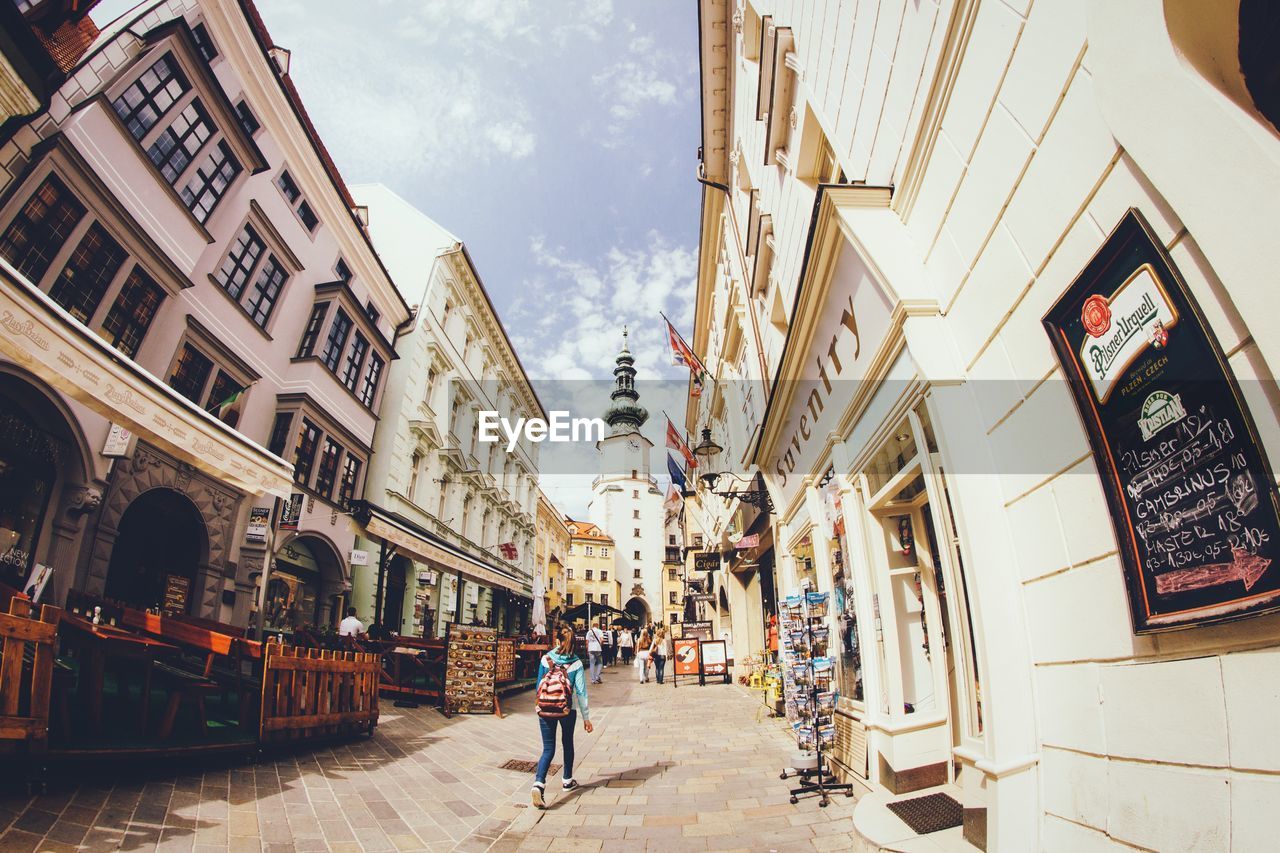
(557, 138)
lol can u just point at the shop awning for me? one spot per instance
(38, 335)
(412, 541)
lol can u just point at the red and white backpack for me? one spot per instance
(554, 699)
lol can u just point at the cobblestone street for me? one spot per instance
(668, 769)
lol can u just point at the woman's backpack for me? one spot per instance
(554, 698)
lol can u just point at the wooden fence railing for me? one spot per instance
(311, 692)
(26, 674)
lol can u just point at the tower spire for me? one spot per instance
(625, 414)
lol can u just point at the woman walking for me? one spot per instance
(643, 645)
(627, 644)
(661, 651)
(561, 686)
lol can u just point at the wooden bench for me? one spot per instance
(26, 680)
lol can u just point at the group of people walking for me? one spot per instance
(648, 648)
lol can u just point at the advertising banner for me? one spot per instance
(715, 662)
(292, 513)
(685, 651)
(256, 529)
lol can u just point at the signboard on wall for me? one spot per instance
(1191, 493)
(177, 589)
(700, 630)
(292, 512)
(117, 443)
(256, 529)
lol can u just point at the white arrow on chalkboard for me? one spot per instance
(1243, 567)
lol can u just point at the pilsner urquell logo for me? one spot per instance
(1118, 328)
(1104, 355)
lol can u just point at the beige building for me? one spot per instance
(923, 225)
(552, 553)
(589, 572)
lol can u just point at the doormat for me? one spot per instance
(930, 813)
(527, 766)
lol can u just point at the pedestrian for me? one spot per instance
(614, 648)
(595, 647)
(562, 695)
(351, 626)
(608, 646)
(661, 651)
(627, 644)
(642, 655)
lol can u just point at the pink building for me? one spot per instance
(183, 261)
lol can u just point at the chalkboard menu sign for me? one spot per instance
(1191, 493)
(471, 659)
(177, 589)
(506, 666)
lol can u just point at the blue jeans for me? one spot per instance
(659, 664)
(548, 727)
(594, 657)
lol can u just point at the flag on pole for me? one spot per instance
(682, 355)
(228, 411)
(675, 442)
(509, 551)
(677, 475)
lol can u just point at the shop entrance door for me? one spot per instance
(161, 536)
(393, 601)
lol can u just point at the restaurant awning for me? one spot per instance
(38, 335)
(420, 544)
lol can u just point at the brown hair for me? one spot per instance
(564, 633)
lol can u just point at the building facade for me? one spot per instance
(197, 326)
(590, 573)
(901, 202)
(625, 500)
(459, 512)
(551, 554)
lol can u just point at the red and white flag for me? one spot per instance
(682, 356)
(509, 551)
(675, 442)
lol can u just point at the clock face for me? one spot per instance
(633, 444)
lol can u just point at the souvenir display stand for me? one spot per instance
(810, 699)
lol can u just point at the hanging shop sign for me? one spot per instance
(359, 557)
(259, 519)
(685, 651)
(1191, 493)
(292, 512)
(706, 561)
(715, 661)
(701, 630)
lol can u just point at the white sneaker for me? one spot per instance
(569, 784)
(539, 802)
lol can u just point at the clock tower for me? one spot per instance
(626, 501)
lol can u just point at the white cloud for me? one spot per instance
(646, 77)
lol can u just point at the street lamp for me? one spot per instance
(707, 450)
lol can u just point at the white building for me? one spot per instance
(448, 502)
(902, 202)
(625, 499)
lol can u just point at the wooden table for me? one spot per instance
(98, 642)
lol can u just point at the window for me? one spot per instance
(635, 494)
(204, 44)
(337, 340)
(569, 597)
(210, 182)
(636, 557)
(590, 574)
(191, 373)
(88, 273)
(355, 360)
(308, 217)
(281, 430)
(305, 456)
(176, 146)
(238, 266)
(150, 96)
(131, 315)
(371, 377)
(350, 477)
(266, 291)
(604, 552)
(636, 532)
(415, 464)
(635, 573)
(633, 476)
(371, 312)
(312, 333)
(697, 540)
(671, 575)
(671, 597)
(604, 599)
(328, 471)
(40, 229)
(342, 271)
(604, 576)
(590, 597)
(248, 121)
(635, 513)
(671, 539)
(223, 389)
(569, 571)
(591, 551)
(288, 187)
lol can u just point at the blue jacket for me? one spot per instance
(577, 679)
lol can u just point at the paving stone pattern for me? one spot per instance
(666, 769)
